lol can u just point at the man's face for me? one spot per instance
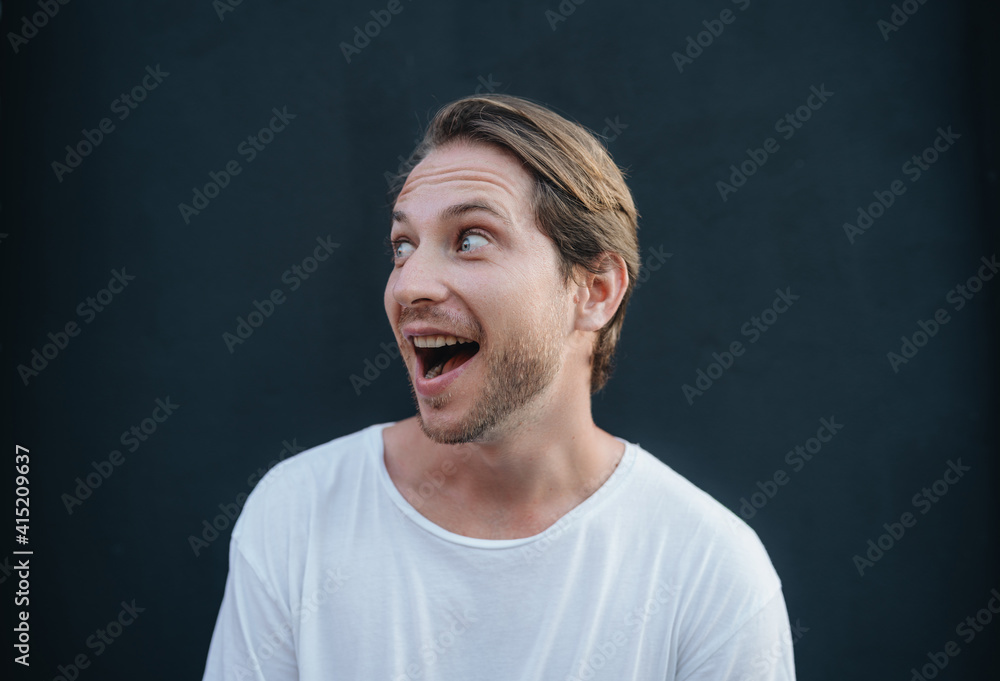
(466, 273)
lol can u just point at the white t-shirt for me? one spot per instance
(333, 574)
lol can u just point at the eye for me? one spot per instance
(401, 249)
(471, 241)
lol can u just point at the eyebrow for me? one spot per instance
(460, 209)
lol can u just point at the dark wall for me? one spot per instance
(716, 261)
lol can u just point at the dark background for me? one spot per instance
(324, 175)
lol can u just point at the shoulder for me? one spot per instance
(712, 545)
(716, 563)
(278, 513)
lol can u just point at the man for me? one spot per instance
(499, 533)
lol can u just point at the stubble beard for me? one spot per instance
(516, 374)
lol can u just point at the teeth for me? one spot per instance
(438, 341)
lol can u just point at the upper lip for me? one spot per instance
(411, 330)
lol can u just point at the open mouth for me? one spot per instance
(439, 354)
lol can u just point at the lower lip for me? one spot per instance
(432, 387)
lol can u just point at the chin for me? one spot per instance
(444, 421)
(443, 428)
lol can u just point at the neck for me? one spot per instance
(545, 463)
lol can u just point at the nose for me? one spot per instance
(419, 280)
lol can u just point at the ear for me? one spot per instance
(599, 295)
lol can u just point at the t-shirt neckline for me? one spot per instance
(585, 507)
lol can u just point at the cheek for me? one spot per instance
(520, 307)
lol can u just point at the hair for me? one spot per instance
(580, 199)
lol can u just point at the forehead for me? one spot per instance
(467, 170)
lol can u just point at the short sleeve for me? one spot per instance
(760, 650)
(253, 633)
